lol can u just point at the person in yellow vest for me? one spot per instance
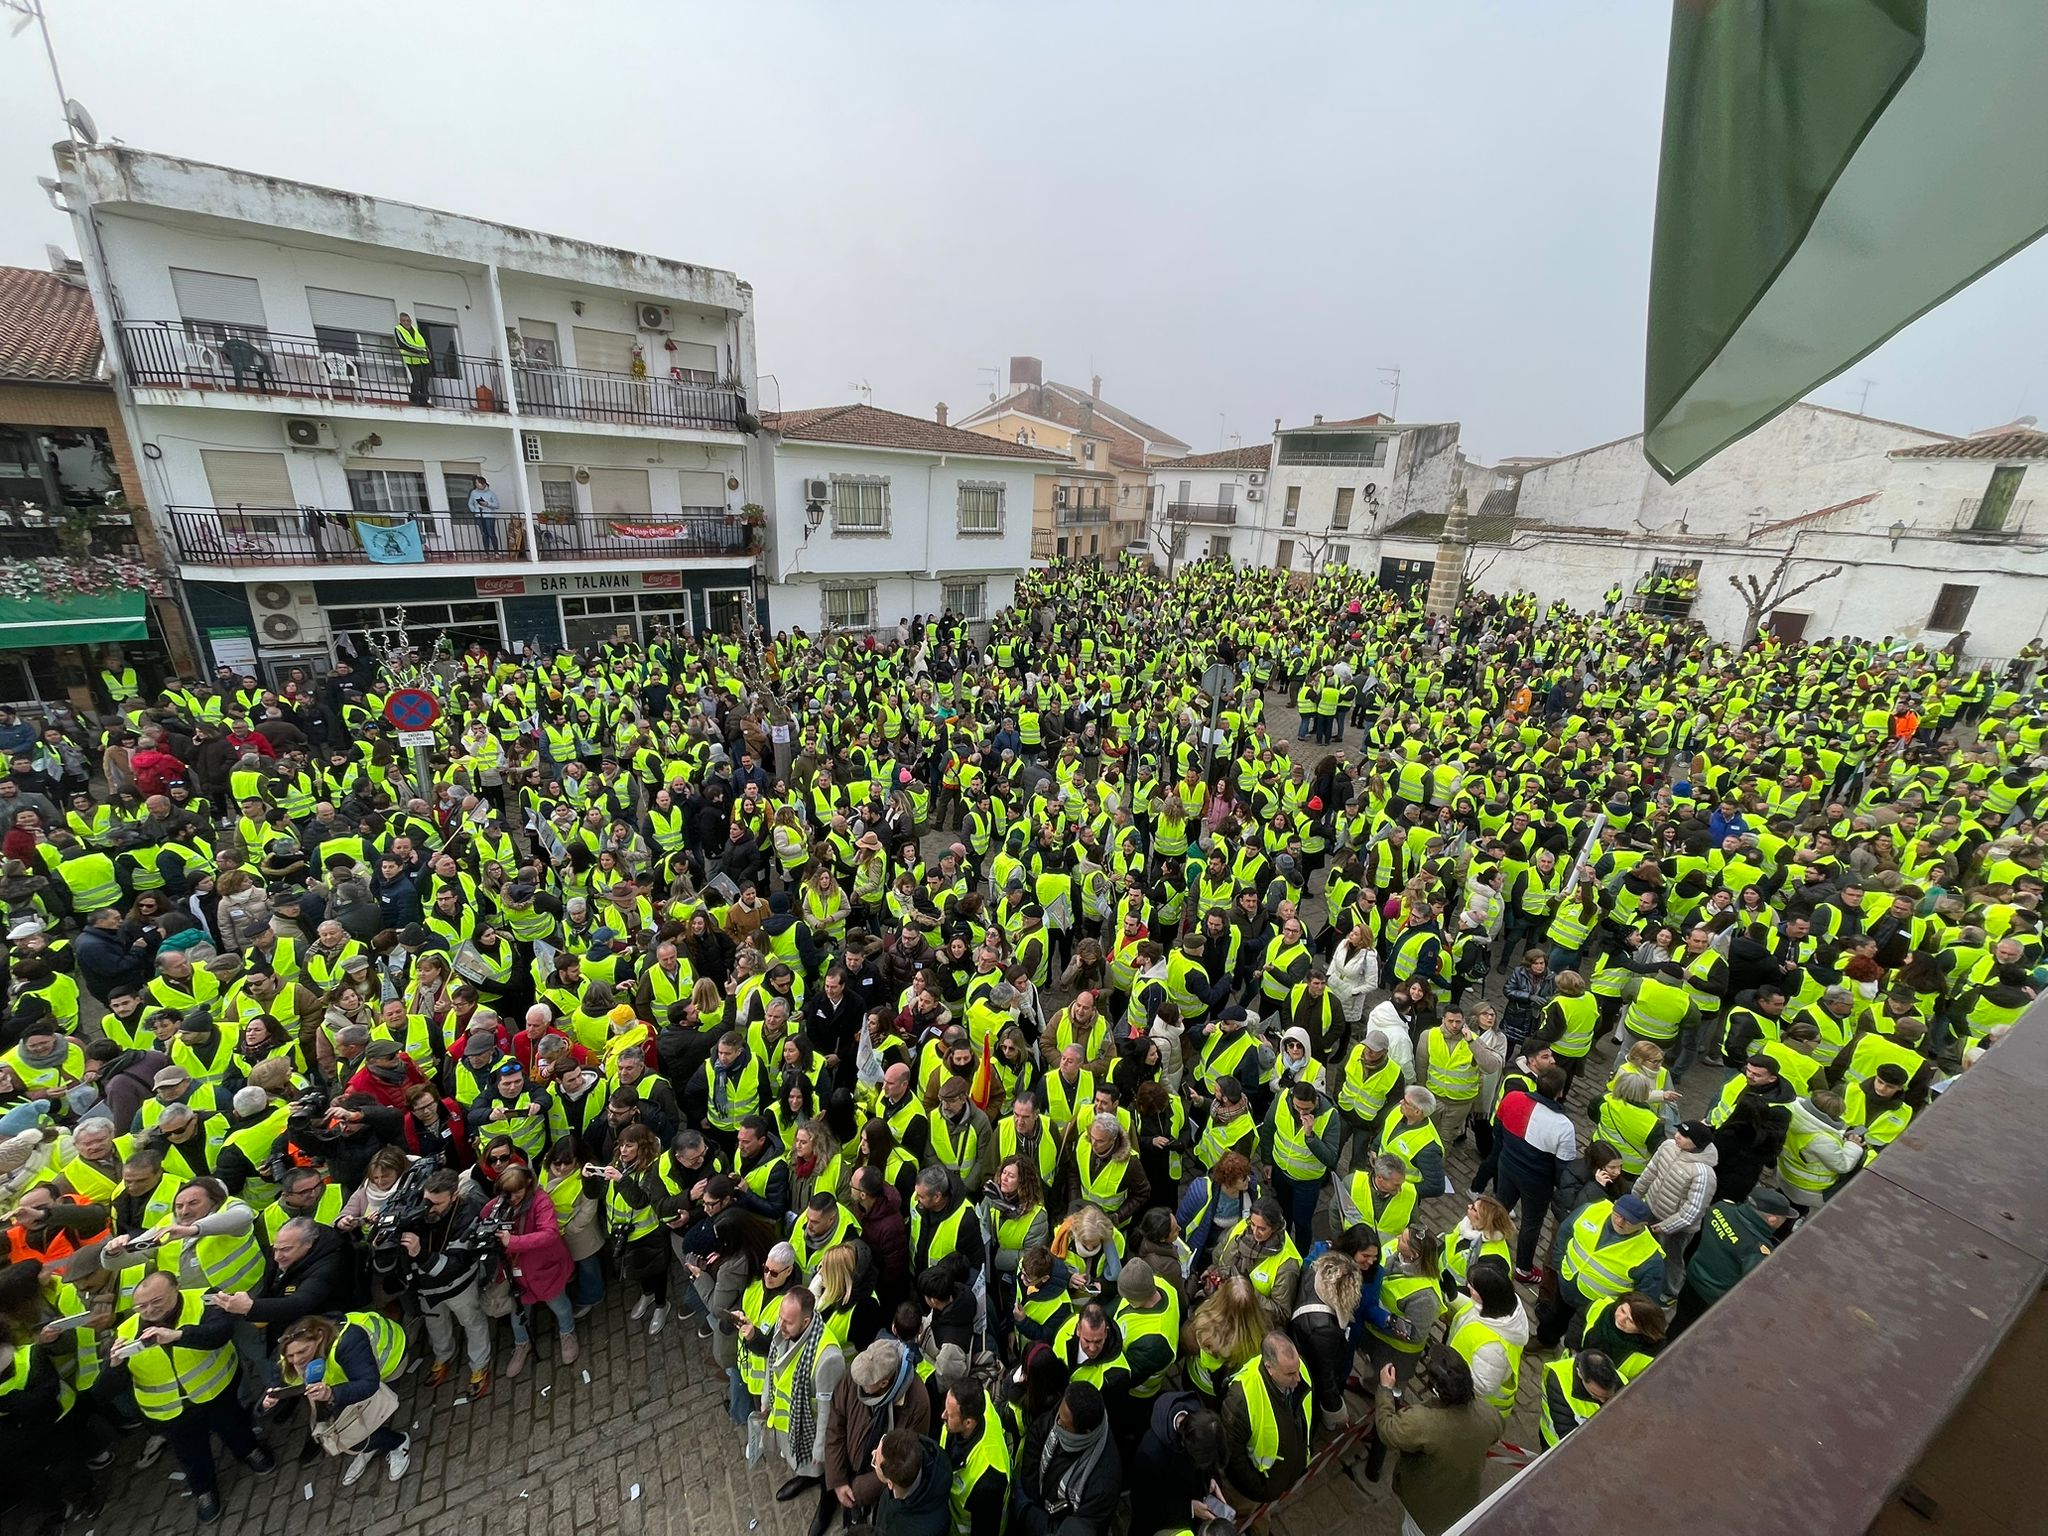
(345, 1364)
(178, 1351)
(1489, 1329)
(1819, 1149)
(1267, 1411)
(419, 365)
(801, 1375)
(1607, 1249)
(979, 1453)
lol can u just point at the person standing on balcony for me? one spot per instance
(483, 506)
(419, 366)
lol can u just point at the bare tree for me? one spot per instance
(1170, 538)
(1764, 595)
(1474, 569)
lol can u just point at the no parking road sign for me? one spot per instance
(412, 709)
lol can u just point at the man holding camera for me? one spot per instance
(433, 1249)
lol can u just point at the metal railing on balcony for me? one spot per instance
(585, 394)
(256, 536)
(1986, 516)
(1069, 516)
(357, 367)
(1221, 513)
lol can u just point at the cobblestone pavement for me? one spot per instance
(554, 1452)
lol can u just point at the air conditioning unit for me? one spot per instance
(1258, 477)
(288, 615)
(529, 447)
(655, 317)
(306, 432)
(1254, 494)
(818, 490)
(1059, 496)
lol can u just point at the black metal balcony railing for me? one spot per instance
(1072, 515)
(164, 355)
(242, 535)
(585, 394)
(1221, 513)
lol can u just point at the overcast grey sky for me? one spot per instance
(1231, 212)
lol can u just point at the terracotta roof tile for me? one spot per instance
(1819, 514)
(47, 330)
(1255, 456)
(871, 427)
(2020, 443)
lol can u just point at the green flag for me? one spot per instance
(1832, 169)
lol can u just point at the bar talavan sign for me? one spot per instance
(579, 584)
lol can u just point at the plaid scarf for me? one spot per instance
(800, 1439)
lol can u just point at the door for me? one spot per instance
(725, 610)
(1283, 560)
(1789, 628)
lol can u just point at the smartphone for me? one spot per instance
(593, 1170)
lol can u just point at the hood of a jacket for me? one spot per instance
(1806, 1118)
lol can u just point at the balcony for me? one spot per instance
(26, 535)
(260, 536)
(1984, 518)
(1222, 514)
(584, 394)
(164, 355)
(1072, 516)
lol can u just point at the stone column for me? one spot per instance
(1447, 581)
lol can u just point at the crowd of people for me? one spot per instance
(1034, 1083)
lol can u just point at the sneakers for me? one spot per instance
(442, 1370)
(570, 1349)
(1531, 1276)
(479, 1383)
(261, 1461)
(152, 1451)
(585, 1310)
(207, 1508)
(396, 1461)
(640, 1307)
(521, 1353)
(358, 1464)
(658, 1322)
(703, 1327)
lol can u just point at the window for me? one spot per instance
(850, 607)
(354, 324)
(1088, 453)
(967, 599)
(252, 490)
(1094, 543)
(703, 490)
(621, 493)
(697, 361)
(1341, 516)
(557, 498)
(1952, 607)
(1061, 546)
(606, 351)
(981, 506)
(216, 305)
(387, 487)
(1340, 554)
(438, 328)
(1994, 510)
(1292, 515)
(860, 504)
(540, 344)
(1150, 491)
(458, 480)
(425, 624)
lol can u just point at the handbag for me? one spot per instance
(581, 1231)
(357, 1422)
(497, 1297)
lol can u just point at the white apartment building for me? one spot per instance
(1334, 485)
(310, 487)
(880, 516)
(1199, 501)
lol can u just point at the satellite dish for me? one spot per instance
(81, 121)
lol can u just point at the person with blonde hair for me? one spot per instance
(833, 1285)
(1225, 1331)
(1486, 1227)
(1092, 1248)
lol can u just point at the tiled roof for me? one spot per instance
(2020, 443)
(871, 427)
(1257, 456)
(1154, 435)
(47, 330)
(1493, 523)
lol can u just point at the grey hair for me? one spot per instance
(1420, 1098)
(934, 1179)
(1388, 1166)
(250, 1101)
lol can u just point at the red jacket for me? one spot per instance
(390, 1095)
(250, 741)
(156, 771)
(536, 1257)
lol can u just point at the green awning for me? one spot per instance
(88, 619)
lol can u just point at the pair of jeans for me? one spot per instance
(192, 1433)
(586, 1287)
(1298, 1199)
(565, 1318)
(1533, 1201)
(738, 1400)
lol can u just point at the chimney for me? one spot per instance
(1095, 390)
(940, 414)
(1026, 370)
(1319, 418)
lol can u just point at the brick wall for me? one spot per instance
(44, 405)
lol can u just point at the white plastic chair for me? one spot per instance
(339, 368)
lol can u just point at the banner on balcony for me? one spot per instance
(391, 543)
(649, 530)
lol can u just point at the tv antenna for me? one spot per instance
(1392, 376)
